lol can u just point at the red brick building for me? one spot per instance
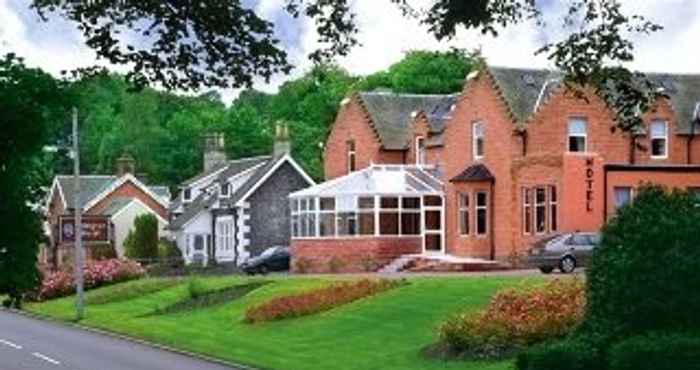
(515, 157)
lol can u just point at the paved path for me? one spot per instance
(30, 344)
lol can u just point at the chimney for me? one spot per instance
(282, 145)
(214, 152)
(126, 164)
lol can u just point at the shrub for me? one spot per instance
(644, 275)
(657, 351)
(102, 252)
(568, 354)
(318, 300)
(142, 240)
(515, 319)
(96, 274)
(368, 263)
(335, 264)
(125, 292)
(196, 288)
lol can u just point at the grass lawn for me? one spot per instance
(386, 331)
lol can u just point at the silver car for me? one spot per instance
(563, 251)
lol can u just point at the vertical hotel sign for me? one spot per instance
(589, 183)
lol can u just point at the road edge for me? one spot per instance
(128, 338)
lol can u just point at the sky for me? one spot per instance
(384, 37)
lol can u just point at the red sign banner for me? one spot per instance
(95, 229)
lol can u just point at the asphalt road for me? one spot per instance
(30, 344)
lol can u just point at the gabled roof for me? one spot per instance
(93, 188)
(161, 191)
(260, 169)
(391, 114)
(525, 89)
(238, 166)
(116, 205)
(474, 173)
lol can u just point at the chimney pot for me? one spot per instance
(126, 164)
(282, 145)
(214, 150)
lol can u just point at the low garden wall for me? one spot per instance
(349, 255)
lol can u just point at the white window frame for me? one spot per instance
(351, 147)
(475, 138)
(185, 192)
(464, 211)
(420, 150)
(226, 186)
(570, 135)
(631, 191)
(528, 206)
(537, 205)
(484, 208)
(653, 137)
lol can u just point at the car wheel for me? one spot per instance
(546, 269)
(567, 265)
(263, 270)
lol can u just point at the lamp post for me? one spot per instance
(77, 207)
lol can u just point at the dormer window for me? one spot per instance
(187, 195)
(351, 156)
(478, 141)
(225, 191)
(420, 150)
(578, 135)
(659, 139)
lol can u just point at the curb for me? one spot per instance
(120, 336)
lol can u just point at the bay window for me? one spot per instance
(464, 214)
(482, 200)
(527, 211)
(553, 225)
(540, 210)
(659, 139)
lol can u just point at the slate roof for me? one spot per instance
(521, 89)
(205, 201)
(474, 173)
(391, 114)
(92, 185)
(116, 205)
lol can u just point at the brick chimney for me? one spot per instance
(126, 164)
(282, 145)
(214, 151)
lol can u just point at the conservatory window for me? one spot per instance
(366, 215)
(389, 216)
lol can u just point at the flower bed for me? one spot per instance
(317, 300)
(96, 273)
(515, 319)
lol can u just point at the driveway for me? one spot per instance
(30, 344)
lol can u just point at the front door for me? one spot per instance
(225, 249)
(433, 224)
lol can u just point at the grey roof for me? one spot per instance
(259, 173)
(90, 187)
(161, 191)
(240, 165)
(116, 205)
(474, 173)
(202, 202)
(521, 88)
(391, 114)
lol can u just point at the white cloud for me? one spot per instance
(385, 35)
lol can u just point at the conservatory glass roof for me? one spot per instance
(379, 180)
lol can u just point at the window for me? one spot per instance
(482, 202)
(327, 217)
(578, 135)
(464, 214)
(540, 210)
(187, 195)
(623, 195)
(659, 139)
(366, 215)
(224, 234)
(420, 150)
(389, 216)
(225, 190)
(351, 156)
(478, 140)
(527, 211)
(553, 225)
(410, 216)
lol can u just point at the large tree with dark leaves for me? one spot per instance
(190, 44)
(28, 100)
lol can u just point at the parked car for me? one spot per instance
(563, 251)
(272, 259)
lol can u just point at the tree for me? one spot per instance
(142, 240)
(29, 98)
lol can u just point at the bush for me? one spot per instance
(61, 283)
(568, 354)
(102, 252)
(142, 240)
(516, 319)
(644, 275)
(335, 264)
(657, 351)
(302, 265)
(196, 288)
(318, 300)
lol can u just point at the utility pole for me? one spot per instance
(79, 303)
